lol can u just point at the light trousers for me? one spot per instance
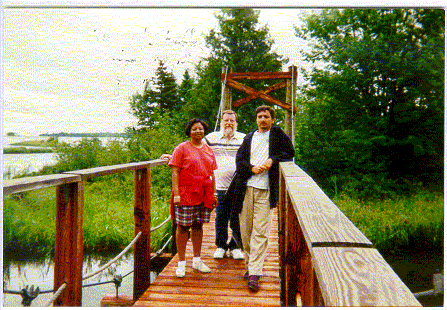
(255, 222)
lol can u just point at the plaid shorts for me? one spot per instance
(187, 215)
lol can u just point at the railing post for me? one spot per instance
(69, 248)
(142, 216)
(293, 238)
(281, 232)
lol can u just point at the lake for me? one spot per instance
(15, 164)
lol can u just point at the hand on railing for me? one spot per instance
(166, 156)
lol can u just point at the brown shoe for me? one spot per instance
(253, 283)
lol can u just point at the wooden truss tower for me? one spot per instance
(286, 79)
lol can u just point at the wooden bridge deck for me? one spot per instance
(224, 286)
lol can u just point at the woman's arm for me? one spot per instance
(175, 178)
(213, 184)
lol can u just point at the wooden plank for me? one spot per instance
(359, 277)
(120, 301)
(249, 98)
(258, 75)
(290, 169)
(106, 170)
(32, 183)
(251, 91)
(321, 221)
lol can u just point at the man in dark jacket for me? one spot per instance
(256, 188)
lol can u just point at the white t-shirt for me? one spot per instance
(259, 153)
(225, 151)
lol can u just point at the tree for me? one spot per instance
(149, 106)
(375, 112)
(243, 45)
(185, 88)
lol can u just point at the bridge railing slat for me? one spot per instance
(324, 257)
(14, 186)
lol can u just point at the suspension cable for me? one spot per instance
(162, 224)
(293, 104)
(221, 99)
(115, 259)
(56, 295)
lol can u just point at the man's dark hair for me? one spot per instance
(191, 123)
(263, 108)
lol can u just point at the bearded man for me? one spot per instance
(225, 144)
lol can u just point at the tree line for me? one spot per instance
(370, 120)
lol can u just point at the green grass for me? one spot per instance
(413, 222)
(25, 150)
(50, 142)
(108, 221)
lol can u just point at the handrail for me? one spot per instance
(69, 217)
(324, 258)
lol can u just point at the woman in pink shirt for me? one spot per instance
(193, 192)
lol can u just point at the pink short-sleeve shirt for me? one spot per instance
(192, 161)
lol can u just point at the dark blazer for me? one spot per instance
(280, 149)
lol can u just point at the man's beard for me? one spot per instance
(228, 131)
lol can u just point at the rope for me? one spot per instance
(56, 295)
(221, 99)
(162, 224)
(113, 260)
(293, 106)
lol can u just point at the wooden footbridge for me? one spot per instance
(317, 257)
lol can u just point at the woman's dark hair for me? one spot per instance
(191, 123)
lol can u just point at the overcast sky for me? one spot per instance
(74, 70)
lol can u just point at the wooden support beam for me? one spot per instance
(69, 246)
(257, 75)
(247, 99)
(251, 91)
(142, 216)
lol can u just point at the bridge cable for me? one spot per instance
(113, 260)
(221, 99)
(56, 295)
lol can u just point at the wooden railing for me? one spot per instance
(324, 258)
(69, 248)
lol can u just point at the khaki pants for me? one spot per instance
(255, 222)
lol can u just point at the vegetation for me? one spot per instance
(29, 218)
(395, 226)
(25, 150)
(373, 116)
(369, 129)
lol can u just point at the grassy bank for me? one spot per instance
(410, 223)
(25, 150)
(50, 142)
(29, 218)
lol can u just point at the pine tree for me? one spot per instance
(156, 101)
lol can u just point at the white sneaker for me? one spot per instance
(237, 254)
(200, 266)
(220, 253)
(180, 272)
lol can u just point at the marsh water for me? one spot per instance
(39, 272)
